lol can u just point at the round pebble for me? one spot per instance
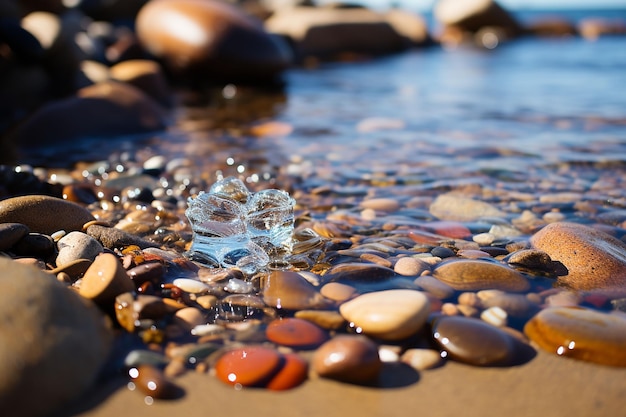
(593, 258)
(293, 373)
(473, 275)
(348, 358)
(381, 204)
(409, 266)
(295, 333)
(75, 246)
(473, 341)
(338, 291)
(389, 314)
(289, 290)
(580, 334)
(11, 233)
(422, 359)
(249, 366)
(151, 381)
(104, 280)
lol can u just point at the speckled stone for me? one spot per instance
(54, 342)
(473, 341)
(593, 258)
(389, 314)
(580, 334)
(75, 246)
(44, 214)
(348, 358)
(473, 275)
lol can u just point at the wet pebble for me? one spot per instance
(338, 291)
(410, 266)
(434, 287)
(35, 244)
(581, 334)
(250, 366)
(593, 258)
(75, 246)
(295, 333)
(389, 314)
(104, 280)
(381, 204)
(359, 272)
(495, 316)
(516, 305)
(463, 209)
(531, 258)
(192, 286)
(189, 317)
(112, 238)
(348, 358)
(475, 275)
(289, 290)
(473, 341)
(422, 359)
(330, 320)
(151, 381)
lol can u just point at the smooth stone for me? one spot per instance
(463, 209)
(74, 269)
(495, 316)
(289, 290)
(515, 305)
(44, 214)
(359, 272)
(54, 342)
(147, 272)
(11, 233)
(473, 341)
(192, 286)
(104, 280)
(326, 32)
(330, 320)
(293, 373)
(434, 287)
(189, 317)
(146, 75)
(474, 15)
(593, 258)
(249, 366)
(422, 359)
(77, 245)
(101, 110)
(580, 333)
(151, 381)
(389, 314)
(381, 204)
(112, 238)
(530, 258)
(474, 275)
(410, 266)
(35, 244)
(454, 230)
(295, 333)
(338, 291)
(210, 38)
(348, 358)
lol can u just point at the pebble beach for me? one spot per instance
(443, 261)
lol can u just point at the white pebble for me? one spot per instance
(207, 329)
(191, 285)
(484, 239)
(422, 359)
(238, 286)
(495, 316)
(388, 354)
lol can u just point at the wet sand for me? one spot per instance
(547, 385)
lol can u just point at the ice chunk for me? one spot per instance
(235, 228)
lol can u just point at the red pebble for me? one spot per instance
(292, 374)
(295, 333)
(249, 366)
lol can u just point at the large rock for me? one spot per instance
(327, 32)
(474, 15)
(53, 342)
(44, 214)
(593, 258)
(208, 38)
(105, 109)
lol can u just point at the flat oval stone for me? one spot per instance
(463, 209)
(359, 272)
(75, 246)
(389, 314)
(330, 320)
(249, 366)
(473, 341)
(580, 334)
(593, 258)
(338, 291)
(104, 280)
(348, 358)
(295, 333)
(289, 290)
(151, 381)
(44, 214)
(474, 275)
(381, 204)
(11, 233)
(54, 342)
(409, 266)
(293, 373)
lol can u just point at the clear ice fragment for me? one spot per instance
(235, 228)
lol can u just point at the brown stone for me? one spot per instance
(348, 358)
(289, 290)
(473, 275)
(248, 366)
(295, 333)
(104, 280)
(593, 258)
